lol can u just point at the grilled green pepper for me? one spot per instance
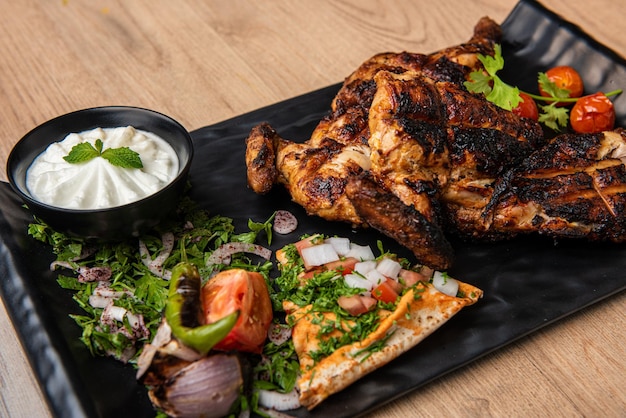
(183, 311)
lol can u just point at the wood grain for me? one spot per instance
(202, 62)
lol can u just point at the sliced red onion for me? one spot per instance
(273, 413)
(104, 289)
(279, 401)
(100, 302)
(156, 266)
(139, 325)
(285, 222)
(85, 274)
(135, 320)
(63, 264)
(94, 274)
(108, 293)
(223, 254)
(168, 245)
(113, 312)
(103, 295)
(279, 333)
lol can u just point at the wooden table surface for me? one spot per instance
(202, 62)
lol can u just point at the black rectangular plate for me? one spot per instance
(529, 282)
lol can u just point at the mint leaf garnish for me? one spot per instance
(80, 153)
(121, 157)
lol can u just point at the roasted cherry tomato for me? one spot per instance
(527, 108)
(592, 114)
(565, 77)
(246, 292)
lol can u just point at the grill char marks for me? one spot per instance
(573, 187)
(406, 225)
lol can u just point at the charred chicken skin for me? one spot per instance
(406, 149)
(573, 187)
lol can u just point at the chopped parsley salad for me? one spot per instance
(123, 288)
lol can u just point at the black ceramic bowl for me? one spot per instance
(115, 223)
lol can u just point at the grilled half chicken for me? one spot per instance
(317, 171)
(406, 149)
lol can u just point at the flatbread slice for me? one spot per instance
(421, 311)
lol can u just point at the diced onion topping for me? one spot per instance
(368, 274)
(318, 255)
(341, 245)
(365, 267)
(445, 284)
(358, 282)
(375, 278)
(388, 267)
(360, 252)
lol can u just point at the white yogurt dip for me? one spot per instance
(98, 184)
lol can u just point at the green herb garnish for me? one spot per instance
(508, 97)
(121, 157)
(490, 84)
(197, 233)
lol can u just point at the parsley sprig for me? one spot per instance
(122, 157)
(508, 97)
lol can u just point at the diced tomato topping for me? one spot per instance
(409, 277)
(368, 302)
(386, 291)
(426, 272)
(395, 285)
(345, 266)
(356, 305)
(308, 275)
(305, 243)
